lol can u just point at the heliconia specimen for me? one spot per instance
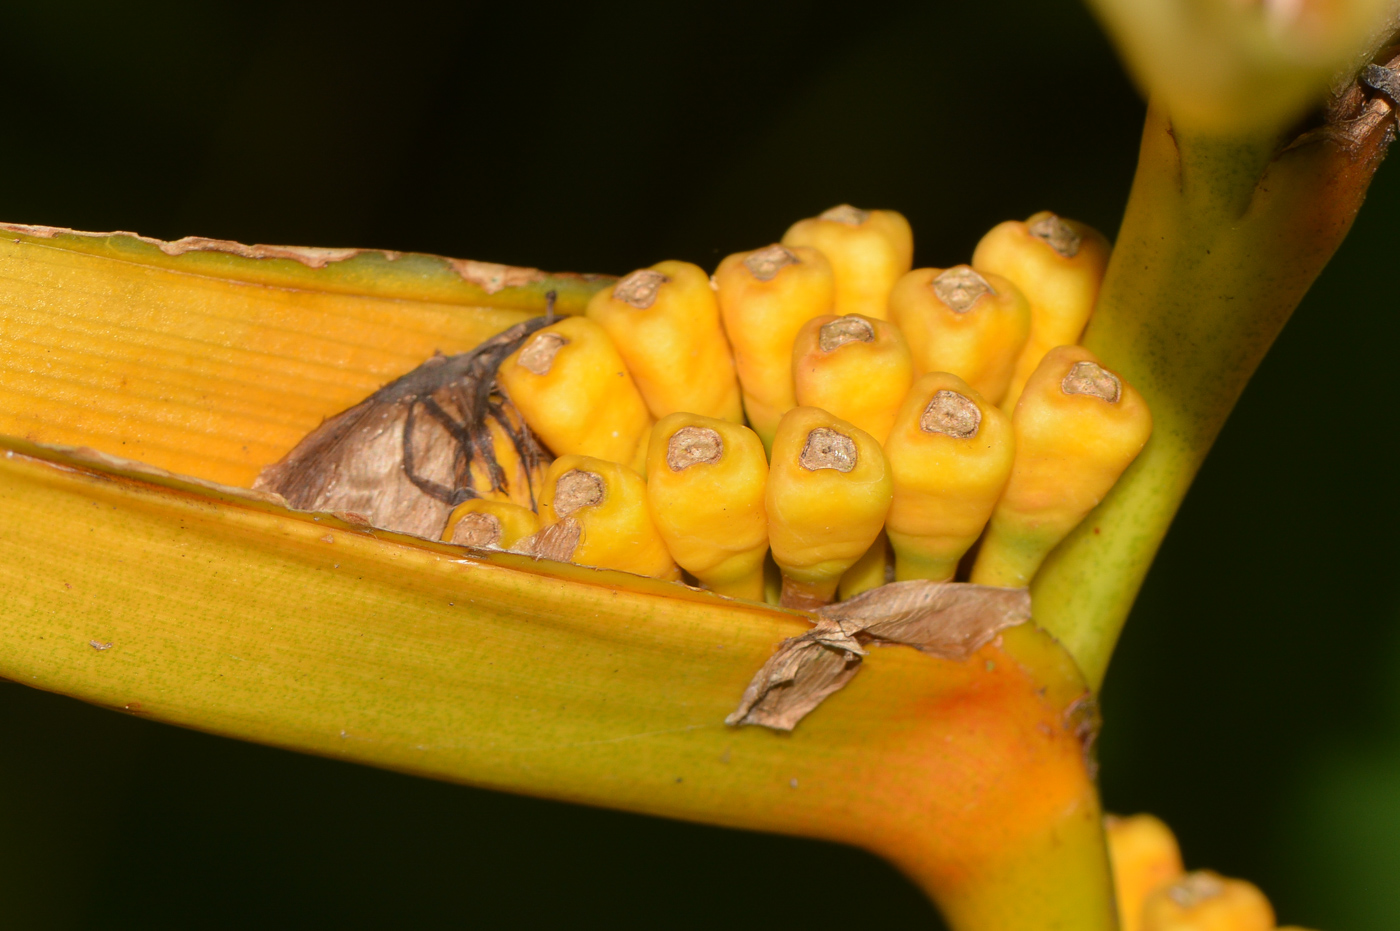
(595, 513)
(870, 571)
(573, 389)
(962, 321)
(868, 251)
(1058, 264)
(1206, 901)
(490, 524)
(705, 482)
(950, 454)
(1078, 426)
(664, 321)
(828, 493)
(765, 297)
(1145, 856)
(855, 367)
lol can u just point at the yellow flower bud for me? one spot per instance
(574, 391)
(1078, 426)
(705, 482)
(868, 251)
(961, 321)
(950, 454)
(595, 513)
(1145, 856)
(1206, 901)
(664, 321)
(828, 493)
(1058, 264)
(764, 298)
(495, 525)
(855, 367)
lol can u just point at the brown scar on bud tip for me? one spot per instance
(1093, 380)
(845, 213)
(765, 263)
(827, 449)
(1194, 888)
(960, 287)
(951, 414)
(690, 446)
(478, 529)
(640, 288)
(847, 329)
(556, 542)
(538, 355)
(1056, 234)
(577, 489)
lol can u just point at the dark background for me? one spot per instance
(1255, 701)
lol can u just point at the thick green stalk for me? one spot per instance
(1221, 239)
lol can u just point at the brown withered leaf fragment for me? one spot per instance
(556, 542)
(951, 620)
(406, 456)
(799, 677)
(948, 619)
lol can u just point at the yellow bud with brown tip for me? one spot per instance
(855, 367)
(828, 493)
(1145, 856)
(491, 525)
(595, 513)
(574, 391)
(705, 481)
(765, 297)
(1206, 901)
(1058, 264)
(950, 454)
(962, 321)
(664, 321)
(868, 249)
(1078, 426)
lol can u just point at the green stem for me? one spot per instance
(1221, 239)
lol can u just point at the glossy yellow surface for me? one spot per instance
(515, 521)
(861, 382)
(712, 514)
(979, 344)
(945, 486)
(675, 348)
(866, 257)
(1145, 856)
(1061, 289)
(1070, 449)
(821, 520)
(618, 531)
(762, 317)
(584, 403)
(1206, 901)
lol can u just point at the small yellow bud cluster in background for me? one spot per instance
(820, 400)
(1155, 893)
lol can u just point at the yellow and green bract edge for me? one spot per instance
(192, 601)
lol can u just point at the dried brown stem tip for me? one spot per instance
(691, 445)
(1194, 888)
(848, 329)
(768, 261)
(1056, 234)
(952, 415)
(827, 449)
(640, 288)
(577, 489)
(851, 216)
(960, 287)
(538, 356)
(1094, 380)
(478, 529)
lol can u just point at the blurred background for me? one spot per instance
(1254, 702)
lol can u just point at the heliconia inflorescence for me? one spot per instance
(813, 421)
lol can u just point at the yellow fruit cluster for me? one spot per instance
(822, 400)
(1155, 893)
